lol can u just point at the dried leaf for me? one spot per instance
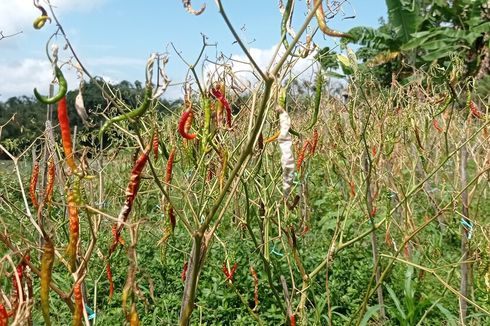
(188, 6)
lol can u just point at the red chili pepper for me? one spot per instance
(435, 123)
(33, 185)
(474, 110)
(155, 145)
(47, 261)
(78, 312)
(170, 164)
(48, 195)
(292, 320)
(256, 285)
(314, 142)
(4, 319)
(352, 188)
(184, 125)
(229, 273)
(171, 215)
(218, 94)
(301, 155)
(71, 249)
(66, 133)
(374, 150)
(133, 187)
(373, 211)
(109, 277)
(183, 275)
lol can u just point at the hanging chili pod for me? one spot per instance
(71, 249)
(136, 113)
(184, 125)
(256, 285)
(109, 278)
(4, 319)
(47, 261)
(169, 168)
(63, 87)
(218, 93)
(78, 311)
(320, 17)
(48, 194)
(133, 187)
(33, 185)
(155, 145)
(66, 133)
(183, 275)
(314, 142)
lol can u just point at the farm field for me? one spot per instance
(354, 191)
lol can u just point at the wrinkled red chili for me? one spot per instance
(219, 95)
(33, 185)
(66, 133)
(184, 125)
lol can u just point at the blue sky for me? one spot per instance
(113, 38)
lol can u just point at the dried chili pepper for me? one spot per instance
(230, 273)
(171, 216)
(374, 150)
(138, 112)
(33, 185)
(314, 142)
(170, 164)
(474, 110)
(352, 187)
(71, 249)
(184, 125)
(48, 194)
(301, 155)
(63, 87)
(4, 319)
(78, 312)
(47, 261)
(292, 320)
(218, 93)
(256, 285)
(155, 145)
(320, 17)
(435, 123)
(318, 98)
(66, 133)
(183, 275)
(133, 187)
(111, 282)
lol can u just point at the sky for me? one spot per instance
(114, 38)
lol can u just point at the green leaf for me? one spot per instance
(369, 313)
(396, 301)
(405, 17)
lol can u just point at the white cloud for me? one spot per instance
(243, 70)
(19, 77)
(18, 15)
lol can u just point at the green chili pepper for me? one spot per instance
(318, 97)
(61, 91)
(139, 111)
(284, 23)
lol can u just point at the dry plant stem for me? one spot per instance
(415, 189)
(388, 268)
(15, 160)
(239, 41)
(64, 296)
(119, 104)
(465, 266)
(197, 253)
